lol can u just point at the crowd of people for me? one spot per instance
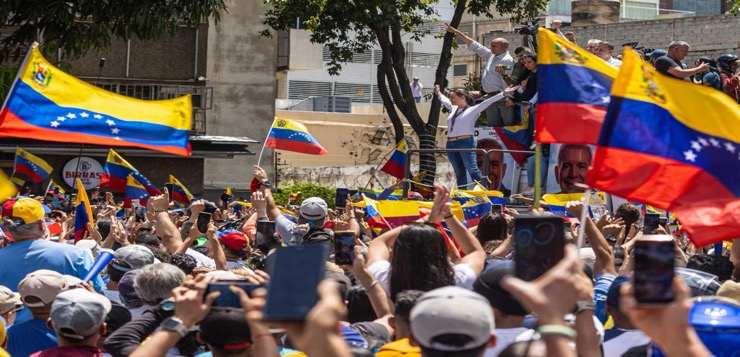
(413, 290)
(515, 78)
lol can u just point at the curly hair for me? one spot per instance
(419, 261)
(629, 214)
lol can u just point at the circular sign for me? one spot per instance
(88, 171)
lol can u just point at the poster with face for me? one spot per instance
(568, 165)
(501, 166)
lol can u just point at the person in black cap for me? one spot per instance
(225, 331)
(507, 311)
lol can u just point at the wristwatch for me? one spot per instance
(585, 305)
(175, 324)
(265, 183)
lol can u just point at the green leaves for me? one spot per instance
(77, 26)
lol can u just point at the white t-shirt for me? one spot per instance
(416, 90)
(381, 271)
(505, 337)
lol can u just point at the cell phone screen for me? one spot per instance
(265, 232)
(538, 245)
(654, 270)
(296, 275)
(498, 209)
(344, 248)
(341, 200)
(204, 218)
(651, 223)
(227, 297)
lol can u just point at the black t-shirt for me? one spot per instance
(663, 64)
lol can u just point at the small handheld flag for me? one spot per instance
(31, 165)
(396, 165)
(83, 212)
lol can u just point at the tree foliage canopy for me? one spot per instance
(76, 26)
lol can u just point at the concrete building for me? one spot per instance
(227, 68)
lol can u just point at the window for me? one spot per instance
(460, 70)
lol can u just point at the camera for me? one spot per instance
(529, 27)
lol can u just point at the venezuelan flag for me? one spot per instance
(179, 192)
(134, 191)
(390, 214)
(47, 104)
(475, 209)
(293, 196)
(573, 91)
(116, 171)
(55, 190)
(83, 212)
(396, 165)
(18, 182)
(31, 165)
(517, 137)
(290, 135)
(673, 145)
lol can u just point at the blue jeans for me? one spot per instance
(464, 162)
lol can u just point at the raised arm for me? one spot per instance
(604, 263)
(165, 228)
(467, 40)
(442, 98)
(272, 209)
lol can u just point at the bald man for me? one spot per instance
(499, 65)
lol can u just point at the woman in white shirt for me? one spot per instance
(460, 128)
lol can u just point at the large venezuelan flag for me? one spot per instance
(47, 104)
(516, 137)
(134, 191)
(290, 135)
(179, 192)
(396, 165)
(573, 91)
(673, 145)
(83, 212)
(31, 165)
(116, 171)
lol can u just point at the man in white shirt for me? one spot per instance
(416, 88)
(605, 50)
(499, 65)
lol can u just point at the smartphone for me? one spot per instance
(227, 297)
(344, 247)
(654, 270)
(140, 212)
(170, 187)
(650, 223)
(204, 218)
(295, 276)
(341, 200)
(498, 209)
(539, 244)
(663, 221)
(265, 232)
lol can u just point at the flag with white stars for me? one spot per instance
(291, 135)
(47, 104)
(134, 191)
(32, 166)
(673, 145)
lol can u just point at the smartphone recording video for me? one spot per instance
(227, 297)
(651, 222)
(265, 232)
(204, 218)
(654, 270)
(294, 278)
(341, 200)
(344, 247)
(538, 245)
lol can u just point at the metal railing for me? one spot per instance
(484, 171)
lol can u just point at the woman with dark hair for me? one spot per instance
(460, 128)
(359, 308)
(420, 253)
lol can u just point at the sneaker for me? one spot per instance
(528, 192)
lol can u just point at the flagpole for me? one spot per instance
(264, 143)
(537, 175)
(47, 188)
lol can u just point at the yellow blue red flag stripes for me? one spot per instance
(18, 182)
(83, 212)
(47, 104)
(179, 192)
(134, 191)
(396, 165)
(291, 135)
(673, 145)
(573, 91)
(116, 171)
(31, 165)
